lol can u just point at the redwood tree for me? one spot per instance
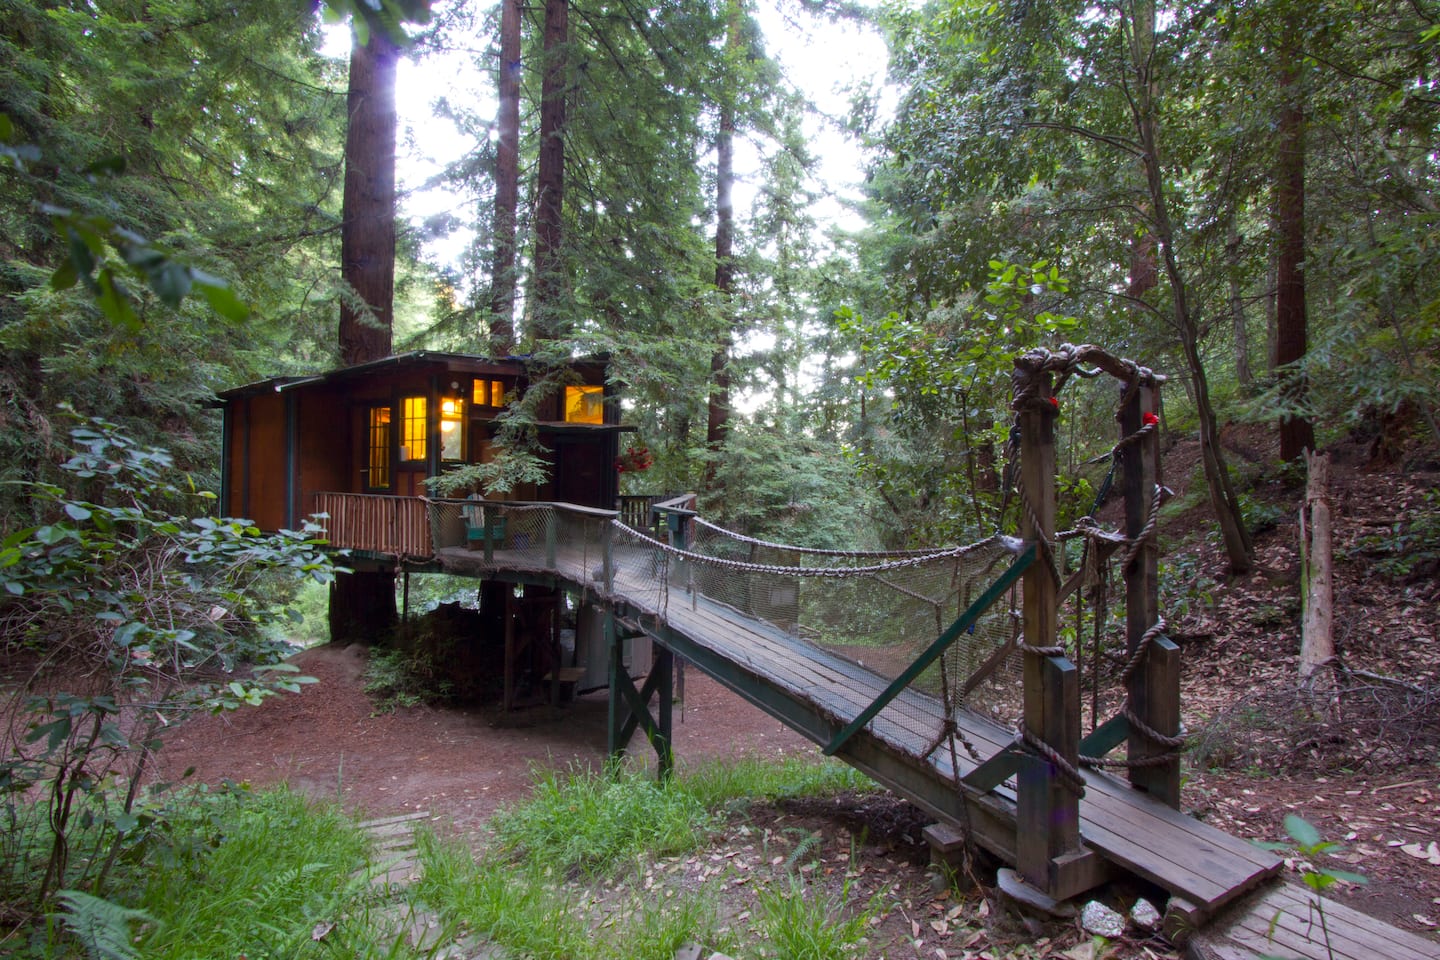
(507, 182)
(1296, 433)
(362, 603)
(550, 175)
(367, 234)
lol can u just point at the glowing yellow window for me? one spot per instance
(452, 429)
(379, 459)
(488, 393)
(412, 428)
(584, 404)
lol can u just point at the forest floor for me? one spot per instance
(1366, 775)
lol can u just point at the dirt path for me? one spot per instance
(460, 764)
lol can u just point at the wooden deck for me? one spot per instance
(1282, 921)
(817, 693)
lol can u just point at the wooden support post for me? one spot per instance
(615, 744)
(507, 700)
(664, 742)
(1047, 811)
(1154, 689)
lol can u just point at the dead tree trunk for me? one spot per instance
(1317, 638)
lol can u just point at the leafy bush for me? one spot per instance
(125, 614)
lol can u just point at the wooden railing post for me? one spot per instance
(1154, 687)
(1048, 803)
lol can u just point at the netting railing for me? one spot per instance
(877, 610)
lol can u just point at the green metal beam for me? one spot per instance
(943, 642)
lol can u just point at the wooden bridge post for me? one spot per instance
(1047, 810)
(1154, 688)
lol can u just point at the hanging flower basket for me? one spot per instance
(634, 460)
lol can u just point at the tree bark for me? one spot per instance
(362, 604)
(1239, 550)
(1240, 332)
(367, 233)
(362, 607)
(550, 176)
(718, 407)
(507, 184)
(1296, 433)
(1317, 638)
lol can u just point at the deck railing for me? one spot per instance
(375, 523)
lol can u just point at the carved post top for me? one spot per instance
(1086, 360)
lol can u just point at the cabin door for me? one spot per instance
(580, 472)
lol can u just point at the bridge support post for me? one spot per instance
(630, 708)
(1047, 843)
(1154, 688)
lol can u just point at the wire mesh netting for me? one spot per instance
(880, 611)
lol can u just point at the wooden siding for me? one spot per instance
(399, 526)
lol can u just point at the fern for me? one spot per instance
(102, 927)
(808, 842)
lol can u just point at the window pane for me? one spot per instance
(379, 478)
(452, 429)
(412, 428)
(497, 393)
(584, 404)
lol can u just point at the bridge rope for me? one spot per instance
(1087, 361)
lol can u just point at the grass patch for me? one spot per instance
(725, 783)
(582, 821)
(233, 874)
(804, 924)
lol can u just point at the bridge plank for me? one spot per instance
(1281, 921)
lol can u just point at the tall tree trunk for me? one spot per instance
(507, 183)
(1317, 639)
(550, 323)
(1240, 332)
(1239, 550)
(718, 408)
(1296, 433)
(362, 604)
(367, 233)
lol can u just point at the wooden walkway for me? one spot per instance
(818, 693)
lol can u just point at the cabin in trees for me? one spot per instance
(383, 428)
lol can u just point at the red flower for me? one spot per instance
(1150, 419)
(1055, 402)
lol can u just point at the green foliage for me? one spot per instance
(102, 928)
(1411, 543)
(717, 784)
(396, 679)
(804, 923)
(1308, 846)
(589, 822)
(129, 616)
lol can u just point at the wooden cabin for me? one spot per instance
(383, 428)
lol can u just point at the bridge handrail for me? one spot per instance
(1010, 544)
(817, 551)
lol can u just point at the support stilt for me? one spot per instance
(630, 708)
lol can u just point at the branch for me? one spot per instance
(1120, 143)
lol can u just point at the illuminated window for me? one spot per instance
(412, 428)
(379, 460)
(452, 429)
(584, 404)
(488, 393)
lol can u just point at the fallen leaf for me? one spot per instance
(1430, 854)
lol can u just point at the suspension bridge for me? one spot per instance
(936, 672)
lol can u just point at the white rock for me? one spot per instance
(1145, 916)
(1100, 920)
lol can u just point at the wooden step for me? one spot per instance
(1284, 921)
(1191, 859)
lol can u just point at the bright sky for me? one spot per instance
(824, 60)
